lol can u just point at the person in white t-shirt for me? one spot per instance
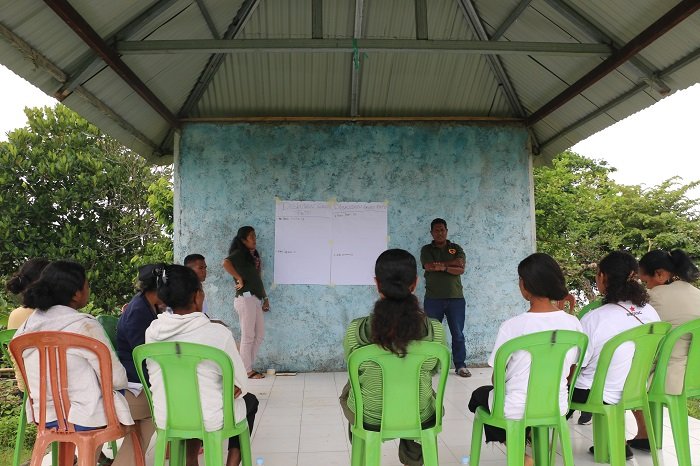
(625, 306)
(180, 289)
(541, 282)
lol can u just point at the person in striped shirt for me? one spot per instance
(396, 320)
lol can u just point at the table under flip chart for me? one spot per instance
(328, 243)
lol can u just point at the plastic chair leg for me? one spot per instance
(616, 436)
(177, 452)
(358, 451)
(159, 451)
(540, 445)
(601, 452)
(54, 454)
(213, 442)
(657, 422)
(678, 412)
(430, 451)
(373, 449)
(652, 435)
(477, 432)
(515, 444)
(246, 454)
(66, 453)
(566, 450)
(21, 429)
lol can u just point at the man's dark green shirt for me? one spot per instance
(442, 285)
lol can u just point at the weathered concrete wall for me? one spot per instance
(478, 178)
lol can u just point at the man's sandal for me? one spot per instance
(463, 372)
(255, 375)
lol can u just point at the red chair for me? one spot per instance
(52, 348)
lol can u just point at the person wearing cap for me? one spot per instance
(444, 262)
(143, 309)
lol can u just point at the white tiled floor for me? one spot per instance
(299, 422)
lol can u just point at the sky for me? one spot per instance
(647, 148)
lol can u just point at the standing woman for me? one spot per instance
(669, 277)
(396, 320)
(243, 263)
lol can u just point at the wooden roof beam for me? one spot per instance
(88, 35)
(664, 24)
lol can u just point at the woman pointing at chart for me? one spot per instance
(243, 263)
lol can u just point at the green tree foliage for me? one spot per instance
(582, 214)
(69, 191)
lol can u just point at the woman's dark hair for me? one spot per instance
(676, 262)
(176, 285)
(237, 242)
(146, 280)
(542, 276)
(397, 319)
(26, 275)
(620, 269)
(57, 285)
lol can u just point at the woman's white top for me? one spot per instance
(83, 369)
(601, 325)
(197, 328)
(518, 367)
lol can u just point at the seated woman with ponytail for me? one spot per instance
(57, 296)
(396, 320)
(625, 306)
(180, 289)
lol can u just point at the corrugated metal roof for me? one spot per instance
(308, 83)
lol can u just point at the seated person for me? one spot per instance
(136, 317)
(20, 281)
(197, 263)
(180, 289)
(541, 284)
(61, 290)
(396, 320)
(625, 306)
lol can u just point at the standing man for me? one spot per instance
(443, 262)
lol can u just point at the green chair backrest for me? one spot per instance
(548, 352)
(178, 363)
(595, 304)
(5, 337)
(400, 385)
(109, 323)
(646, 339)
(691, 385)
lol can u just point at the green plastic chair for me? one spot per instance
(677, 404)
(5, 337)
(609, 420)
(178, 362)
(548, 351)
(109, 323)
(400, 395)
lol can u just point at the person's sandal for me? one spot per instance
(628, 453)
(641, 444)
(256, 375)
(463, 372)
